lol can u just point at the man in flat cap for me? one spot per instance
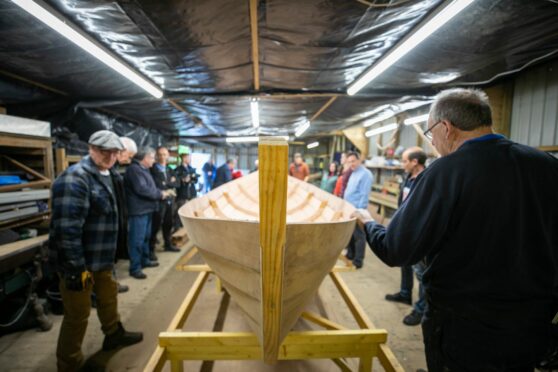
(82, 246)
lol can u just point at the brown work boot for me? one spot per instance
(121, 338)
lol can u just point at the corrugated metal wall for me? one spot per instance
(534, 120)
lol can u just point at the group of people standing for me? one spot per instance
(353, 183)
(155, 192)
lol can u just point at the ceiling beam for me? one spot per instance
(34, 83)
(324, 107)
(195, 119)
(255, 50)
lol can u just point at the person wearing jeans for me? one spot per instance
(358, 188)
(139, 242)
(142, 196)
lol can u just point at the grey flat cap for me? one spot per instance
(107, 140)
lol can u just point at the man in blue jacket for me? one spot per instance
(82, 245)
(484, 217)
(143, 197)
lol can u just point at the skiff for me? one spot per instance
(225, 226)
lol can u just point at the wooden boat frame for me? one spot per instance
(335, 342)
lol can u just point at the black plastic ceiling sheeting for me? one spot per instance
(199, 52)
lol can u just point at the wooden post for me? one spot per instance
(255, 48)
(273, 167)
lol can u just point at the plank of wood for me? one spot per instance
(8, 249)
(19, 212)
(385, 355)
(273, 170)
(25, 168)
(321, 321)
(23, 196)
(33, 184)
(255, 47)
(297, 345)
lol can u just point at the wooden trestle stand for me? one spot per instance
(335, 342)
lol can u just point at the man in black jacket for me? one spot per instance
(224, 173)
(142, 196)
(484, 217)
(186, 179)
(164, 179)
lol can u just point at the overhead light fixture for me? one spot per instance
(416, 119)
(248, 139)
(303, 128)
(378, 119)
(385, 128)
(255, 111)
(417, 37)
(49, 17)
(312, 145)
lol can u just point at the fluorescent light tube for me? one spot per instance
(379, 118)
(385, 128)
(303, 128)
(416, 119)
(417, 37)
(241, 139)
(254, 110)
(312, 145)
(63, 28)
(248, 139)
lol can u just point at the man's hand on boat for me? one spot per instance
(362, 216)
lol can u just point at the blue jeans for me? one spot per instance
(407, 285)
(139, 231)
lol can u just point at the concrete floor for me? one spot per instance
(150, 305)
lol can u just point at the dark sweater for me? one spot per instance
(141, 193)
(224, 175)
(485, 218)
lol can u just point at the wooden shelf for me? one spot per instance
(17, 253)
(31, 156)
(389, 167)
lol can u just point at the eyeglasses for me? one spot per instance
(428, 133)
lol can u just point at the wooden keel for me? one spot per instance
(273, 159)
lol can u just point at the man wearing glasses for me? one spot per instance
(484, 218)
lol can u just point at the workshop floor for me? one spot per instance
(150, 305)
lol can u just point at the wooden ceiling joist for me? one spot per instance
(255, 50)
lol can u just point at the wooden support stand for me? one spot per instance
(335, 342)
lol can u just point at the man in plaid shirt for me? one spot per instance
(82, 247)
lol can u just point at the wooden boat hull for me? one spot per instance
(318, 228)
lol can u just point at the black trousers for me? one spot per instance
(162, 219)
(454, 343)
(177, 205)
(356, 247)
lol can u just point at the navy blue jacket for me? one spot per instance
(224, 175)
(141, 192)
(84, 223)
(486, 219)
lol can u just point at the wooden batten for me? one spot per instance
(273, 155)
